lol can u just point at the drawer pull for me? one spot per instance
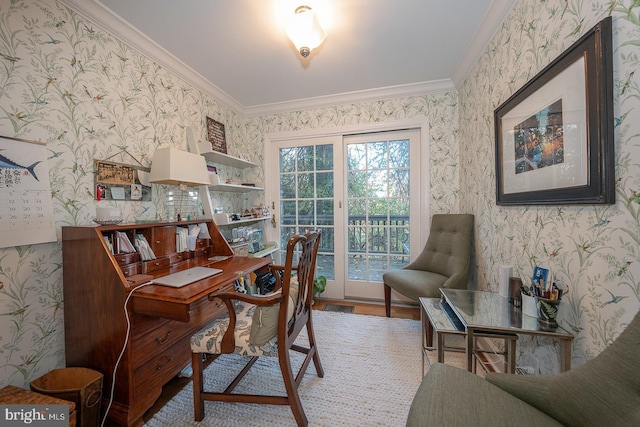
(163, 340)
(161, 365)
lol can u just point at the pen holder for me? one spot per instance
(547, 313)
(529, 307)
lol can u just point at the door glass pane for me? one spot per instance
(288, 160)
(306, 187)
(324, 184)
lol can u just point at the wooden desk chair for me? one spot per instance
(264, 326)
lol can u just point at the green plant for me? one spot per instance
(319, 283)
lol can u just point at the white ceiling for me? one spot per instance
(238, 51)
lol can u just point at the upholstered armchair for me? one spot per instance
(604, 391)
(443, 263)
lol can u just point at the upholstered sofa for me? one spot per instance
(605, 391)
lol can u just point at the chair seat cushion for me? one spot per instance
(209, 339)
(415, 283)
(449, 396)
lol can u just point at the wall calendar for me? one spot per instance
(26, 210)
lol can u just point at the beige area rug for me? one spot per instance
(372, 370)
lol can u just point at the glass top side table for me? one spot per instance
(439, 320)
(481, 311)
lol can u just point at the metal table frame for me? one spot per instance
(487, 312)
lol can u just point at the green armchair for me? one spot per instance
(605, 391)
(443, 263)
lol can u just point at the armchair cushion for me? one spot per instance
(449, 396)
(264, 323)
(415, 283)
(603, 391)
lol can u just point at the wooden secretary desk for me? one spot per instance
(97, 283)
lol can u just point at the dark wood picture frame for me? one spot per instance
(554, 136)
(216, 136)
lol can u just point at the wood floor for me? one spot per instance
(404, 312)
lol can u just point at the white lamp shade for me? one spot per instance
(177, 167)
(304, 30)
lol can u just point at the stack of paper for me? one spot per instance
(124, 244)
(181, 239)
(204, 231)
(107, 240)
(146, 253)
(194, 232)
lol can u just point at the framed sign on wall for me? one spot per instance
(216, 136)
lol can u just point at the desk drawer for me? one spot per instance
(162, 367)
(147, 343)
(131, 269)
(123, 259)
(155, 264)
(203, 252)
(180, 256)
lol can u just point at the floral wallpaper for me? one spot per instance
(593, 249)
(90, 96)
(87, 96)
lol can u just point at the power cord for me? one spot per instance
(124, 346)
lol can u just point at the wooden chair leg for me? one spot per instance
(198, 401)
(314, 347)
(387, 300)
(292, 390)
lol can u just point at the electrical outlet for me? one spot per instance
(534, 363)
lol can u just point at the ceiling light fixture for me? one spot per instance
(305, 31)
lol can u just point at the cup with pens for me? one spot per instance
(548, 295)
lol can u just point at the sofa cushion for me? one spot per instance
(264, 324)
(449, 396)
(603, 391)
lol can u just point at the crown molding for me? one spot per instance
(105, 19)
(491, 23)
(400, 91)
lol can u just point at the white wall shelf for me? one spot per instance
(225, 159)
(235, 188)
(270, 248)
(223, 219)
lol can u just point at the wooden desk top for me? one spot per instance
(176, 303)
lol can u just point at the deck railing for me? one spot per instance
(378, 241)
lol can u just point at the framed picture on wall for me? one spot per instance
(215, 135)
(554, 136)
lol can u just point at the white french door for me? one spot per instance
(380, 202)
(361, 191)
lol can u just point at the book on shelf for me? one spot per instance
(124, 244)
(146, 253)
(181, 239)
(107, 240)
